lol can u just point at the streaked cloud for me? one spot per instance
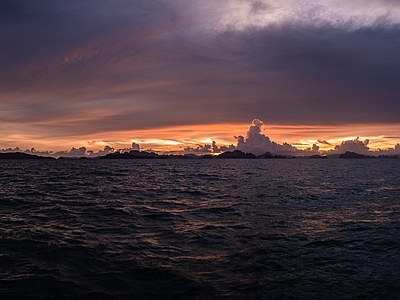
(345, 14)
(80, 70)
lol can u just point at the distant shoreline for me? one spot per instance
(236, 154)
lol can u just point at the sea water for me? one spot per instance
(200, 229)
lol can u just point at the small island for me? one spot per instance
(349, 154)
(236, 154)
(21, 155)
(317, 156)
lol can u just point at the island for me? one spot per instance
(21, 155)
(235, 154)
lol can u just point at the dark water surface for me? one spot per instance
(200, 229)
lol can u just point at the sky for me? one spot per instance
(286, 76)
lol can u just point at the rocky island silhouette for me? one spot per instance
(236, 154)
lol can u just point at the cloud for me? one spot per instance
(239, 14)
(390, 151)
(255, 142)
(315, 148)
(199, 149)
(208, 149)
(353, 146)
(107, 149)
(258, 143)
(324, 142)
(74, 152)
(77, 69)
(135, 147)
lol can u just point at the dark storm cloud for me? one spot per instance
(42, 35)
(88, 66)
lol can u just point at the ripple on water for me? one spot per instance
(197, 229)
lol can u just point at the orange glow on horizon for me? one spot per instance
(176, 138)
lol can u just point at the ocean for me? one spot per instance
(200, 229)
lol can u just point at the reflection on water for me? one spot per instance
(200, 229)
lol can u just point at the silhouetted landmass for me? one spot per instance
(134, 154)
(20, 155)
(268, 155)
(179, 156)
(317, 156)
(73, 157)
(137, 153)
(349, 154)
(236, 154)
(206, 156)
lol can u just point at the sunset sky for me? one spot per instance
(176, 75)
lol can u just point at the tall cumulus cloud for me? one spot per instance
(258, 143)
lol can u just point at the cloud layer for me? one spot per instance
(83, 68)
(255, 142)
